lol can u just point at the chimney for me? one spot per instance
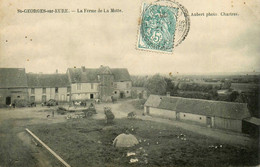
(57, 71)
(83, 68)
(168, 94)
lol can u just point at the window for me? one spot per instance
(18, 96)
(68, 89)
(200, 117)
(43, 90)
(91, 96)
(56, 90)
(32, 99)
(115, 92)
(32, 90)
(92, 86)
(78, 86)
(184, 115)
(127, 91)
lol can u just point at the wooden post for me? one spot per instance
(48, 148)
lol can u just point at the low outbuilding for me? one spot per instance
(217, 114)
(251, 126)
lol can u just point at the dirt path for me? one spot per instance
(16, 146)
(221, 135)
(37, 152)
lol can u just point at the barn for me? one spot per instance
(13, 85)
(215, 114)
(251, 126)
(43, 87)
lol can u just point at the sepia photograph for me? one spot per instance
(133, 83)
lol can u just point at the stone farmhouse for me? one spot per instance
(214, 114)
(76, 84)
(13, 85)
(103, 82)
(42, 87)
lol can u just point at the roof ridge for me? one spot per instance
(194, 99)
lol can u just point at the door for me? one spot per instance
(147, 110)
(122, 95)
(8, 100)
(56, 97)
(140, 96)
(32, 99)
(43, 98)
(208, 121)
(177, 116)
(63, 97)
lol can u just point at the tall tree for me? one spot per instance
(156, 85)
(170, 86)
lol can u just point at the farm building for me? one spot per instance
(103, 82)
(13, 85)
(251, 126)
(43, 87)
(216, 114)
(77, 84)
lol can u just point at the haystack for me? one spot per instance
(125, 140)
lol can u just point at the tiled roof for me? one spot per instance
(253, 120)
(200, 107)
(12, 78)
(90, 75)
(121, 74)
(47, 80)
(153, 101)
(74, 74)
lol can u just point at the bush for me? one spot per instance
(109, 115)
(139, 104)
(61, 112)
(62, 108)
(21, 103)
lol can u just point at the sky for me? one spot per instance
(46, 42)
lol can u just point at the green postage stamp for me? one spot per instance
(164, 25)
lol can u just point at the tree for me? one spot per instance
(233, 96)
(170, 86)
(226, 85)
(156, 85)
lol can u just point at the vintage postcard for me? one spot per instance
(129, 83)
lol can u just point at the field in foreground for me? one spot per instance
(88, 142)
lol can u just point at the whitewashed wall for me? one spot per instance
(193, 117)
(50, 94)
(162, 113)
(230, 124)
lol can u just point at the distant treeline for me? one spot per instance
(236, 79)
(160, 85)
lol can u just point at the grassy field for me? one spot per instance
(245, 87)
(88, 142)
(14, 153)
(13, 150)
